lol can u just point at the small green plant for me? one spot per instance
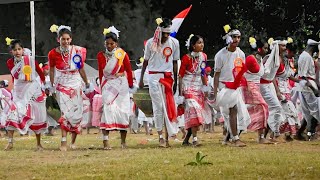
(199, 160)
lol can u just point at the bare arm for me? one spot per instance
(180, 86)
(84, 77)
(144, 66)
(175, 75)
(277, 89)
(216, 83)
(51, 74)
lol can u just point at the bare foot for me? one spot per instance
(124, 146)
(196, 143)
(8, 147)
(264, 141)
(39, 148)
(107, 148)
(106, 145)
(162, 143)
(63, 148)
(239, 143)
(73, 146)
(167, 143)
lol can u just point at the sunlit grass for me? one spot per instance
(144, 160)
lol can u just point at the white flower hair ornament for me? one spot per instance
(111, 29)
(188, 40)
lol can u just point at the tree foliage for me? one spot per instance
(135, 20)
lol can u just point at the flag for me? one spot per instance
(177, 21)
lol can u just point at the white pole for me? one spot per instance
(33, 37)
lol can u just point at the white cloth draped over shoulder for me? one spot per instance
(69, 87)
(27, 108)
(115, 97)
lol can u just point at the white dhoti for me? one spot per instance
(157, 95)
(276, 116)
(229, 98)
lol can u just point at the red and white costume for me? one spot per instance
(27, 109)
(257, 107)
(160, 66)
(69, 85)
(289, 109)
(5, 100)
(115, 90)
(231, 67)
(190, 72)
(272, 64)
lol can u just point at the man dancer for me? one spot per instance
(161, 55)
(308, 88)
(229, 69)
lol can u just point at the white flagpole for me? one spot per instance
(33, 41)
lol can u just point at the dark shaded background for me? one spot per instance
(136, 21)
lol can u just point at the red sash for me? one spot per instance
(167, 82)
(238, 71)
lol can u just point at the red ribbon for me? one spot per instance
(167, 82)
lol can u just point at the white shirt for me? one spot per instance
(157, 60)
(306, 66)
(224, 63)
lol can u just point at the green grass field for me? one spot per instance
(144, 160)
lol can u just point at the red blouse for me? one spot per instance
(186, 64)
(10, 65)
(126, 66)
(55, 60)
(252, 64)
(281, 69)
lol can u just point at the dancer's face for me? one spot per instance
(110, 44)
(65, 40)
(164, 37)
(198, 47)
(236, 40)
(17, 51)
(264, 50)
(282, 48)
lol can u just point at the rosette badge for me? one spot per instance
(77, 60)
(27, 70)
(119, 54)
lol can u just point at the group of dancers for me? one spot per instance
(260, 92)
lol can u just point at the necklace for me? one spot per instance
(65, 56)
(195, 63)
(16, 60)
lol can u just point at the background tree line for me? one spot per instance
(135, 19)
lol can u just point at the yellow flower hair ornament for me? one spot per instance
(106, 31)
(270, 41)
(253, 42)
(290, 40)
(54, 28)
(111, 29)
(8, 40)
(226, 28)
(159, 21)
(141, 60)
